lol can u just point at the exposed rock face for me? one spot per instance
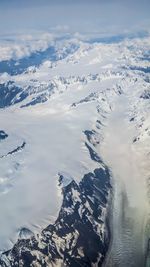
(3, 135)
(79, 236)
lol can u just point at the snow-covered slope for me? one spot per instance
(54, 121)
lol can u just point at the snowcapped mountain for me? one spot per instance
(62, 112)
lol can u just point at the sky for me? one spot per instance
(77, 16)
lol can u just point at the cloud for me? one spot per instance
(25, 45)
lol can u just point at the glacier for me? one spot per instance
(76, 149)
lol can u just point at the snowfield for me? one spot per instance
(66, 118)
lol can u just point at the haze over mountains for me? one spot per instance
(78, 16)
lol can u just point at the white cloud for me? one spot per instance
(24, 45)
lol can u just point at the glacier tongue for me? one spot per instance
(125, 158)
